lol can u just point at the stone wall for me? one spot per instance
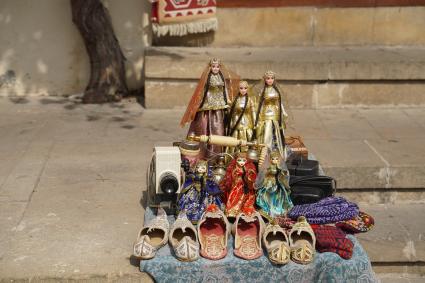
(312, 26)
(42, 53)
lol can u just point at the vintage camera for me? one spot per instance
(164, 177)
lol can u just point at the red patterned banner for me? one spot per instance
(177, 11)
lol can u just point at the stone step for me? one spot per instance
(376, 155)
(396, 244)
(402, 277)
(384, 196)
(311, 77)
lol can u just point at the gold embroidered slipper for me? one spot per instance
(248, 229)
(152, 236)
(277, 245)
(213, 233)
(302, 241)
(184, 239)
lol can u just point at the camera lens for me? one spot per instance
(169, 184)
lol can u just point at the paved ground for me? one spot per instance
(72, 177)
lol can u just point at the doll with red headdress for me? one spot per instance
(207, 108)
(238, 186)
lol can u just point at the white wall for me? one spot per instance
(42, 52)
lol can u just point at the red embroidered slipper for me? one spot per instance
(359, 224)
(213, 232)
(248, 229)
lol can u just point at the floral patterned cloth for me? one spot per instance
(326, 267)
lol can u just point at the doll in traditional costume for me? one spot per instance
(199, 191)
(241, 117)
(270, 122)
(238, 186)
(208, 106)
(273, 192)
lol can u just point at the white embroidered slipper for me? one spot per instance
(184, 239)
(302, 241)
(277, 245)
(152, 236)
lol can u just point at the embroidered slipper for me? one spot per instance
(248, 229)
(184, 239)
(359, 224)
(152, 237)
(213, 232)
(302, 241)
(277, 245)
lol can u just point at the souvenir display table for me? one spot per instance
(326, 267)
(267, 176)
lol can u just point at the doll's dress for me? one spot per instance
(241, 196)
(196, 195)
(209, 119)
(268, 130)
(241, 121)
(273, 196)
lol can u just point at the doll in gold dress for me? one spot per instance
(270, 122)
(241, 116)
(207, 108)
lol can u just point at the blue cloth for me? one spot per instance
(326, 267)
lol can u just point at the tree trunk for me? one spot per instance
(107, 71)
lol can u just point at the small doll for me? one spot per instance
(238, 186)
(273, 188)
(198, 192)
(241, 117)
(270, 121)
(207, 108)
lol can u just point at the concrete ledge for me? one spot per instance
(383, 196)
(170, 93)
(397, 236)
(296, 63)
(311, 77)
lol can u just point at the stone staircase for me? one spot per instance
(357, 96)
(312, 77)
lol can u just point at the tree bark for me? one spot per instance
(107, 71)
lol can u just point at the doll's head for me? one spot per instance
(201, 167)
(241, 159)
(243, 87)
(275, 158)
(269, 78)
(215, 66)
